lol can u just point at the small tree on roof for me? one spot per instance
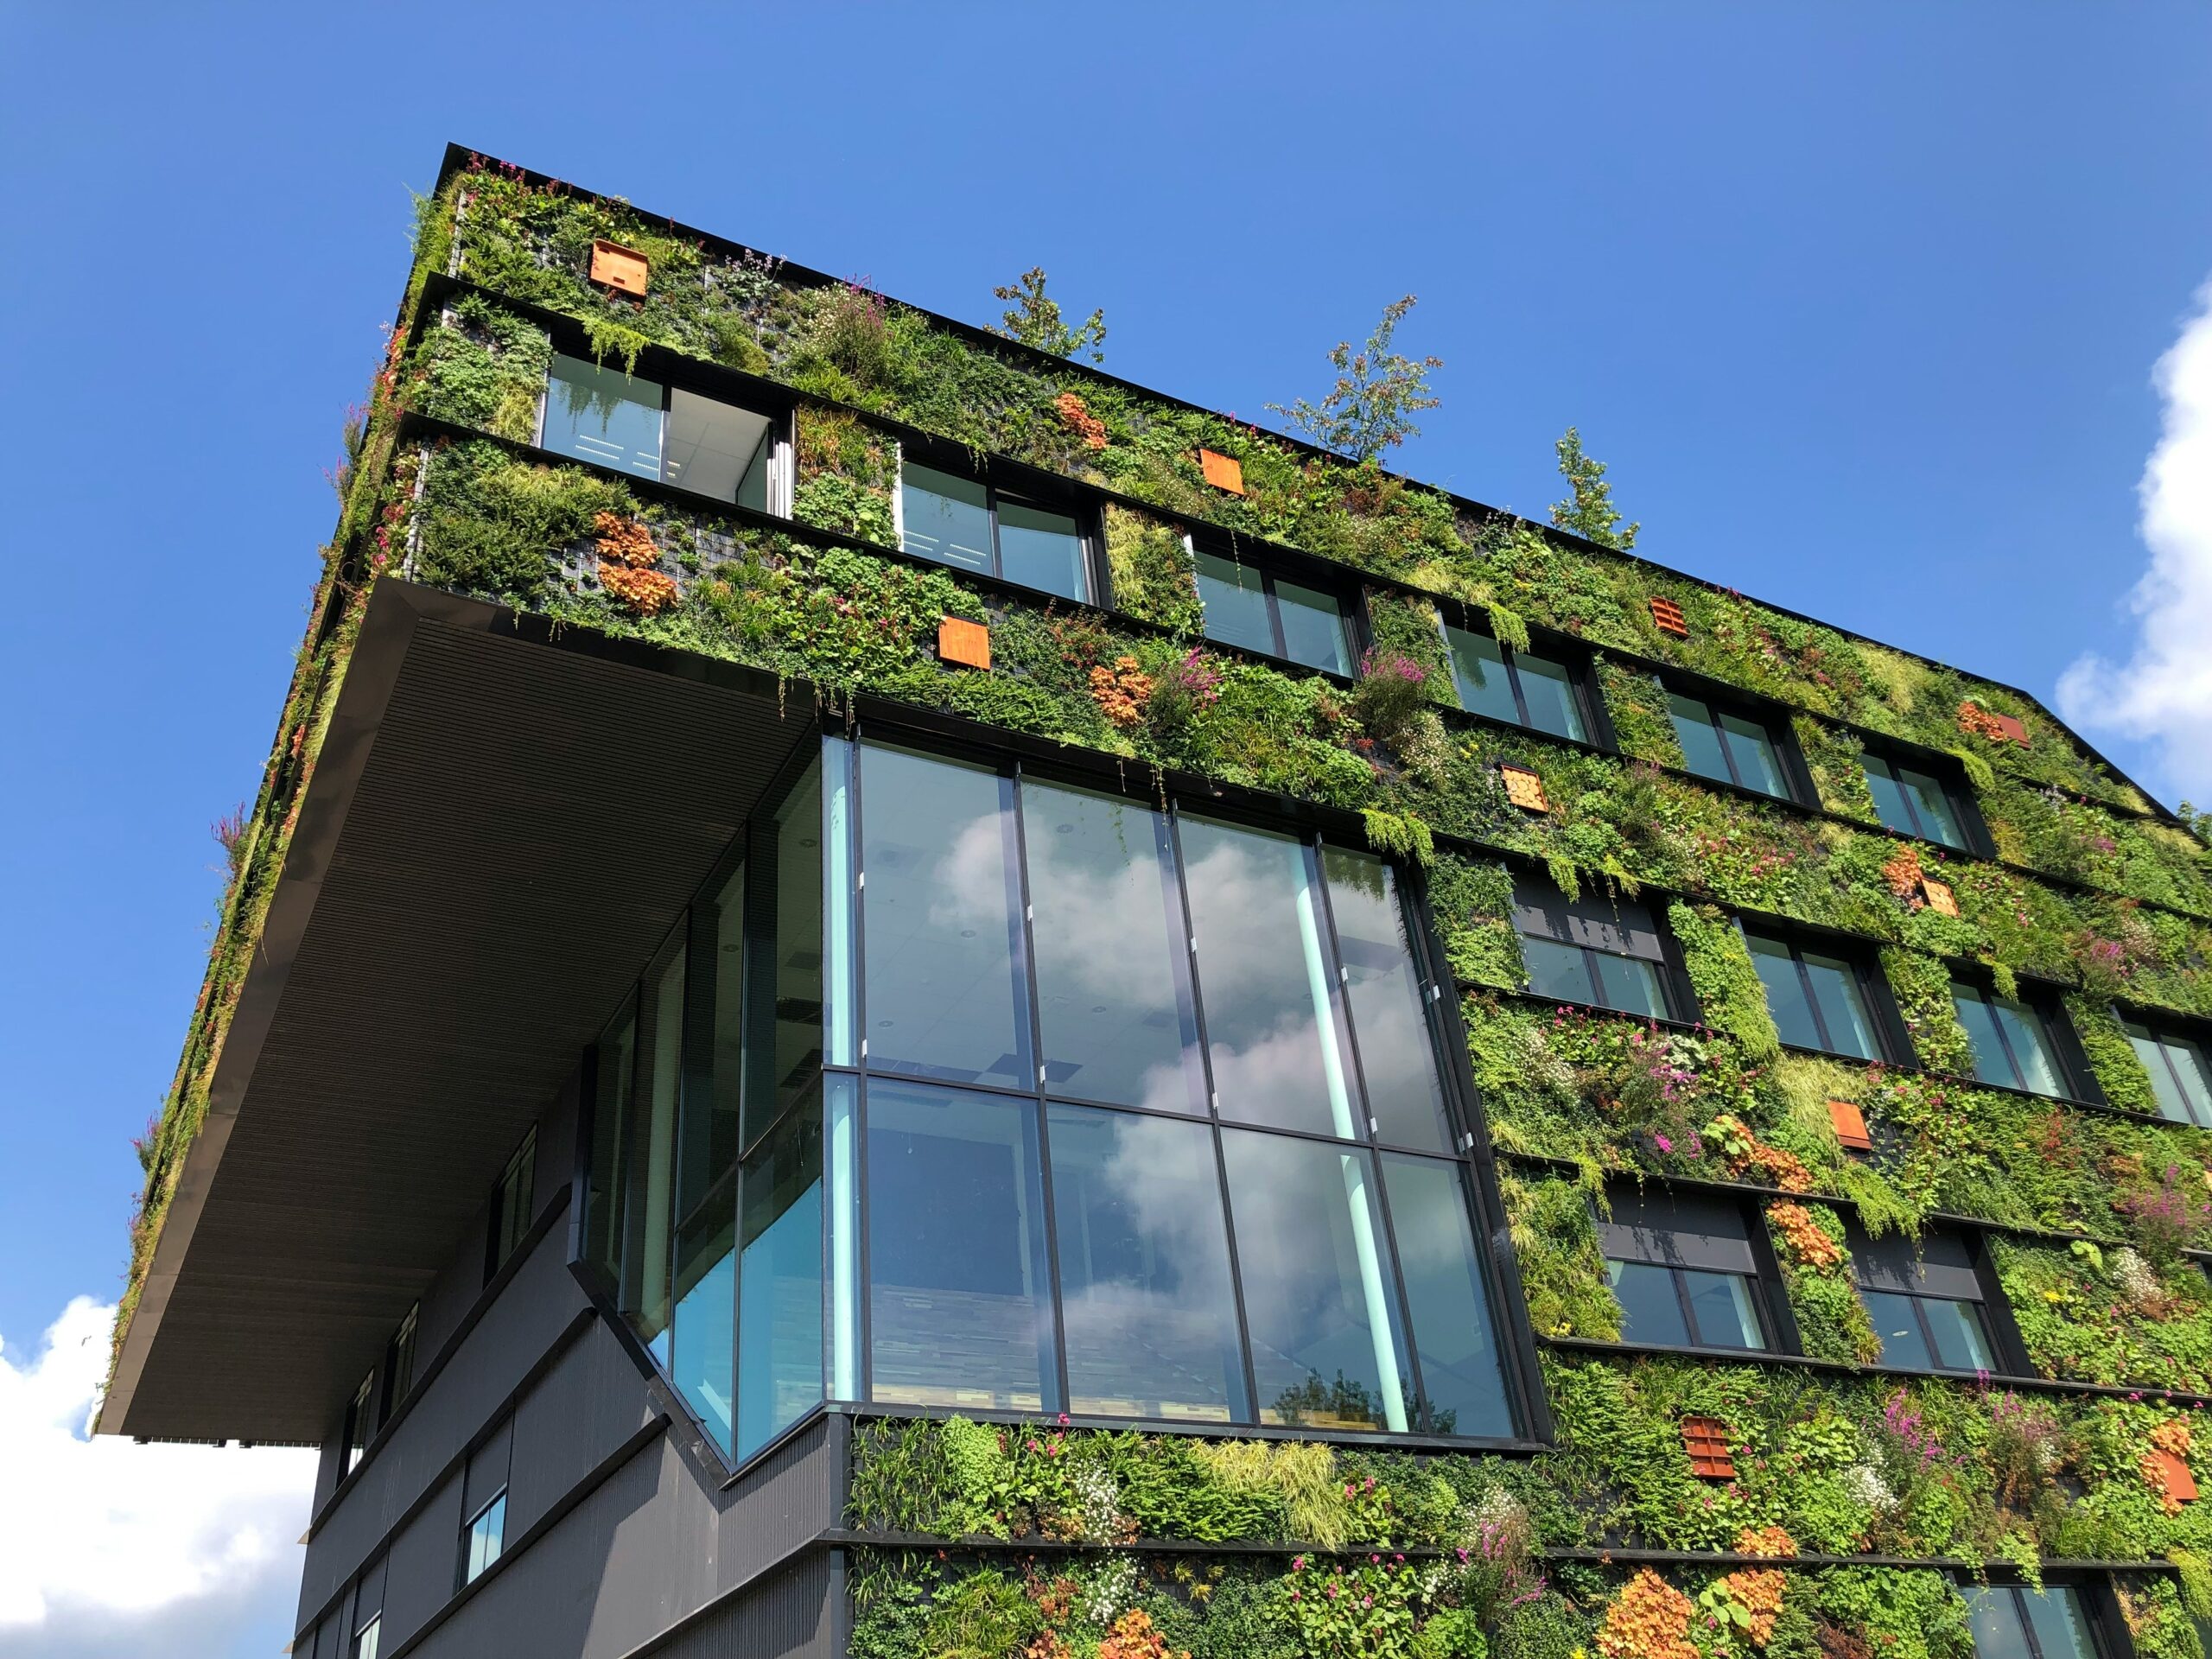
(1378, 393)
(1035, 319)
(1589, 511)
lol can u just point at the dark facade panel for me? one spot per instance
(793, 1614)
(419, 1571)
(787, 1498)
(571, 1420)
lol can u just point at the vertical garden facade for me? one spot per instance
(887, 995)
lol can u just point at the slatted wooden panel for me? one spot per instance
(1940, 899)
(1666, 617)
(1222, 471)
(1524, 789)
(1706, 1439)
(1850, 1126)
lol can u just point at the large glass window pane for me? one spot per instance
(779, 1286)
(1961, 1344)
(1397, 1054)
(2033, 1055)
(2061, 1629)
(1994, 1618)
(700, 1335)
(1651, 1307)
(1445, 1303)
(941, 922)
(1842, 1004)
(1699, 737)
(1112, 994)
(706, 1209)
(1548, 690)
(945, 517)
(1752, 749)
(1903, 1344)
(1145, 1293)
(783, 1003)
(1990, 1063)
(1318, 1304)
(1630, 984)
(712, 446)
(1939, 821)
(1556, 970)
(611, 1151)
(649, 1209)
(960, 1310)
(1721, 1304)
(1785, 991)
(2166, 1082)
(603, 415)
(1478, 671)
(1890, 806)
(1312, 627)
(1042, 549)
(1236, 601)
(1263, 977)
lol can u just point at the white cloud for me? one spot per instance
(111, 1547)
(2163, 694)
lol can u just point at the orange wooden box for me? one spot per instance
(624, 270)
(2181, 1485)
(1850, 1126)
(1666, 617)
(2011, 728)
(1940, 899)
(1222, 471)
(1706, 1439)
(1524, 789)
(965, 643)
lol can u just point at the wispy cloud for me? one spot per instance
(111, 1547)
(2163, 693)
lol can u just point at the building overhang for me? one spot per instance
(505, 820)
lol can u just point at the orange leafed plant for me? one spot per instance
(1903, 874)
(1807, 1241)
(1132, 1638)
(2173, 1436)
(1650, 1619)
(1973, 718)
(1120, 691)
(627, 554)
(1080, 421)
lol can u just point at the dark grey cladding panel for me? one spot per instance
(1679, 1230)
(790, 1615)
(576, 1416)
(785, 1499)
(419, 1572)
(1937, 1263)
(520, 1327)
(1622, 926)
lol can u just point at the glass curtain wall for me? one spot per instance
(1013, 1095)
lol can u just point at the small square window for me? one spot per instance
(1594, 949)
(1728, 747)
(965, 522)
(2012, 1042)
(512, 1203)
(1925, 1299)
(1819, 1000)
(1526, 687)
(2180, 1077)
(484, 1503)
(486, 1535)
(1914, 801)
(1254, 609)
(1681, 1267)
(702, 444)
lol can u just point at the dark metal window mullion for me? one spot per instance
(863, 1287)
(1812, 1003)
(1274, 601)
(2004, 1042)
(1189, 944)
(1028, 931)
(1682, 1300)
(1510, 661)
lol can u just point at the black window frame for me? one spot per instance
(2163, 1029)
(400, 1355)
(1769, 1306)
(2000, 1333)
(1676, 995)
(2091, 1596)
(780, 413)
(497, 1446)
(1350, 631)
(361, 1425)
(1772, 719)
(2079, 1084)
(1893, 1043)
(1003, 480)
(514, 1206)
(1579, 663)
(1949, 776)
(366, 1613)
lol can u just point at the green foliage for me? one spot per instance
(1378, 393)
(2112, 1317)
(1832, 1321)
(1473, 906)
(1588, 511)
(1922, 986)
(2112, 1060)
(984, 1616)
(1400, 836)
(1408, 629)
(493, 525)
(1562, 1270)
(1150, 566)
(481, 366)
(1720, 971)
(1034, 320)
(1636, 704)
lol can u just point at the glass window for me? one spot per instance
(1251, 608)
(650, 1209)
(614, 1145)
(1522, 686)
(1913, 802)
(943, 971)
(400, 1361)
(1651, 1304)
(1904, 1339)
(1681, 1268)
(360, 1423)
(1730, 748)
(718, 449)
(511, 1211)
(1389, 1003)
(1818, 1001)
(1271, 1029)
(1113, 996)
(706, 1202)
(1323, 1321)
(960, 1310)
(964, 523)
(779, 1282)
(487, 1533)
(1924, 1295)
(369, 1638)
(2179, 1076)
(603, 416)
(2012, 1044)
(1145, 1293)
(2013, 1622)
(1462, 1383)
(1597, 949)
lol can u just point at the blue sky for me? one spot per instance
(1860, 303)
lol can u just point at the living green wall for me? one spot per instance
(2091, 892)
